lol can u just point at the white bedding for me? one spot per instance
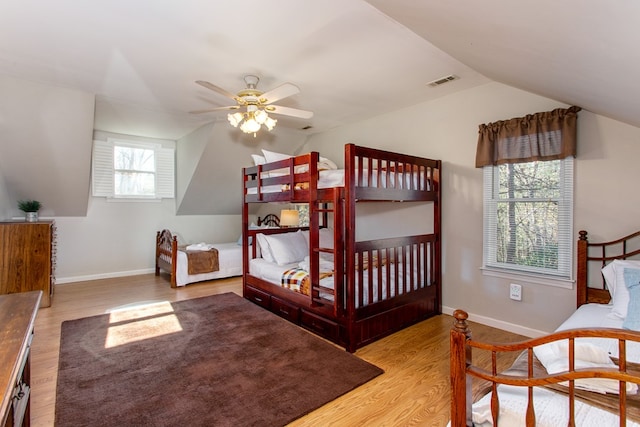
(229, 260)
(272, 272)
(599, 316)
(552, 408)
(335, 178)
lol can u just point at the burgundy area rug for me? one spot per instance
(214, 361)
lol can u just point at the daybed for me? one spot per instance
(175, 261)
(208, 262)
(349, 291)
(585, 374)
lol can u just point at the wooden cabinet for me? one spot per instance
(27, 258)
(17, 317)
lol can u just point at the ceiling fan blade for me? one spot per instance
(209, 110)
(282, 91)
(215, 88)
(287, 111)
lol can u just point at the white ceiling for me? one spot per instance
(141, 58)
(350, 59)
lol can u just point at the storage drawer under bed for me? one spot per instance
(257, 296)
(284, 309)
(320, 325)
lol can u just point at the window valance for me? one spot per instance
(542, 136)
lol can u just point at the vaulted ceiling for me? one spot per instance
(352, 59)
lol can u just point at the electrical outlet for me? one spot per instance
(515, 292)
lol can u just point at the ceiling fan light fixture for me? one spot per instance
(250, 125)
(235, 119)
(252, 120)
(270, 123)
(261, 116)
(256, 104)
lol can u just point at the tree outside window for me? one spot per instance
(134, 171)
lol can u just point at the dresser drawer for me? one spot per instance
(257, 296)
(284, 309)
(319, 325)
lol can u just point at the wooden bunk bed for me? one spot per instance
(593, 349)
(375, 287)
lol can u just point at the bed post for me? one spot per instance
(157, 252)
(461, 414)
(349, 225)
(581, 273)
(437, 228)
(174, 261)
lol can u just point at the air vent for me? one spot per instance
(442, 80)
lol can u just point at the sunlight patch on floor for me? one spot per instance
(141, 323)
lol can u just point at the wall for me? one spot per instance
(446, 129)
(5, 201)
(117, 238)
(45, 145)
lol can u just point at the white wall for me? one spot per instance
(118, 238)
(446, 129)
(5, 200)
(45, 145)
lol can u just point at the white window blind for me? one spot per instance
(528, 217)
(104, 171)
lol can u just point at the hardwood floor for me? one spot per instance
(414, 390)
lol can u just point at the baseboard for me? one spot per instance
(72, 279)
(506, 326)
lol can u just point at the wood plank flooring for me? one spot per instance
(414, 390)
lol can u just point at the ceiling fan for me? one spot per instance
(256, 104)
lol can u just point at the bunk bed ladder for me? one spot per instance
(332, 207)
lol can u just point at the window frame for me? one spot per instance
(565, 229)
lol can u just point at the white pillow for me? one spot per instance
(620, 293)
(287, 248)
(271, 156)
(326, 164)
(265, 250)
(258, 160)
(326, 237)
(609, 274)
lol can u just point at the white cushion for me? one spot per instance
(271, 156)
(258, 160)
(614, 277)
(287, 247)
(326, 237)
(325, 163)
(265, 250)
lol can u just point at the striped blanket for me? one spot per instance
(297, 279)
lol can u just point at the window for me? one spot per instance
(132, 170)
(528, 211)
(528, 192)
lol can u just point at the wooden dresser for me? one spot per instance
(17, 317)
(28, 258)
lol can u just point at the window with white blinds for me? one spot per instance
(528, 217)
(132, 170)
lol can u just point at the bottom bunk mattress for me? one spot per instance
(229, 264)
(294, 276)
